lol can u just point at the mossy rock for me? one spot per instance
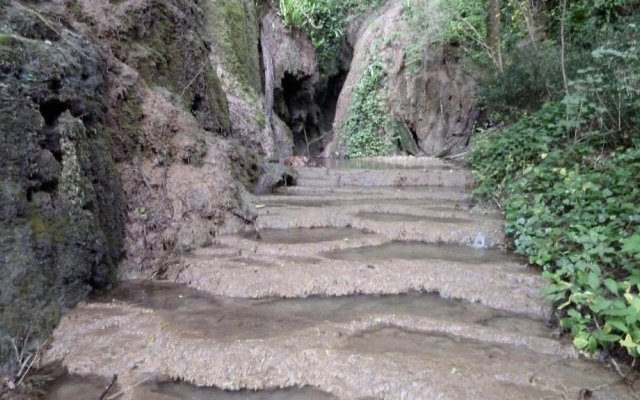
(168, 45)
(62, 207)
(234, 25)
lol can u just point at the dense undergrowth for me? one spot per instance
(564, 158)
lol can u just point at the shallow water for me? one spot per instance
(202, 315)
(183, 391)
(381, 346)
(423, 251)
(375, 164)
(399, 217)
(436, 205)
(458, 355)
(305, 235)
(73, 387)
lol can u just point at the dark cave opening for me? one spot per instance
(52, 109)
(308, 108)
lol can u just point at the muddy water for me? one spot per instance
(300, 236)
(183, 391)
(514, 355)
(459, 355)
(377, 164)
(201, 315)
(398, 217)
(74, 387)
(361, 345)
(423, 251)
(436, 205)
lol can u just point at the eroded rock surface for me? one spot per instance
(62, 210)
(117, 147)
(429, 99)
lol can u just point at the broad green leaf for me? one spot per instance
(581, 342)
(611, 285)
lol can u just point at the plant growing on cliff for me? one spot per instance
(325, 22)
(368, 121)
(418, 16)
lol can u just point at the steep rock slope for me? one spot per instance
(169, 119)
(428, 95)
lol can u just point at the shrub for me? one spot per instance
(569, 179)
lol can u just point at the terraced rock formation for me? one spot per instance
(356, 284)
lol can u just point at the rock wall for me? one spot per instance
(62, 210)
(235, 26)
(430, 103)
(116, 148)
(182, 163)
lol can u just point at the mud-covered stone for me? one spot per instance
(275, 175)
(62, 219)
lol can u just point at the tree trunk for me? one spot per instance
(493, 33)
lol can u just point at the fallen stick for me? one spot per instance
(108, 388)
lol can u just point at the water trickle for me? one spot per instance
(480, 242)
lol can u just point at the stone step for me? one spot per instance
(367, 264)
(389, 177)
(394, 193)
(386, 162)
(392, 222)
(391, 347)
(317, 182)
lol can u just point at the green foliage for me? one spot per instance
(368, 121)
(575, 213)
(497, 158)
(417, 16)
(529, 78)
(569, 178)
(466, 22)
(325, 22)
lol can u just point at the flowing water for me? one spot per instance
(349, 310)
(300, 236)
(421, 251)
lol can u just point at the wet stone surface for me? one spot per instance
(306, 313)
(184, 391)
(201, 315)
(377, 164)
(74, 387)
(397, 217)
(423, 251)
(302, 235)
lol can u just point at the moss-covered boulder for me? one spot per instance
(61, 203)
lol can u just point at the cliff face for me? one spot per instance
(169, 120)
(428, 96)
(61, 200)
